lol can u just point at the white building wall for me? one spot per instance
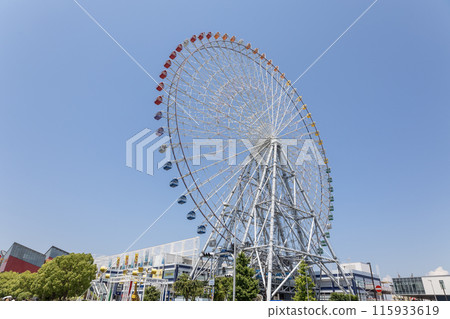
(356, 266)
(432, 282)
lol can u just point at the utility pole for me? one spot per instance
(373, 282)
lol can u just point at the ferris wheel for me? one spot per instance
(247, 151)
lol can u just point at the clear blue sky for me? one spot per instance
(70, 98)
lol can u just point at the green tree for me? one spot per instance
(304, 285)
(188, 288)
(338, 296)
(152, 293)
(64, 277)
(17, 285)
(247, 287)
(223, 288)
(9, 282)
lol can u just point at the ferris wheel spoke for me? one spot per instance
(284, 100)
(213, 194)
(295, 101)
(251, 79)
(212, 59)
(234, 87)
(186, 105)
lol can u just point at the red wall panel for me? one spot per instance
(18, 265)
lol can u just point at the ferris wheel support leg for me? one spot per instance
(288, 276)
(322, 232)
(272, 223)
(256, 199)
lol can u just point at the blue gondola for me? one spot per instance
(327, 235)
(182, 199)
(201, 229)
(331, 189)
(330, 179)
(173, 183)
(330, 217)
(160, 131)
(331, 198)
(331, 208)
(191, 215)
(323, 243)
(167, 166)
(320, 251)
(158, 116)
(328, 170)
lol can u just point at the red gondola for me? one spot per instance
(158, 100)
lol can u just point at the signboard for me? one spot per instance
(126, 261)
(158, 274)
(211, 282)
(378, 289)
(117, 262)
(169, 274)
(136, 259)
(119, 288)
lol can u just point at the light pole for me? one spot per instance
(432, 287)
(441, 282)
(227, 252)
(234, 262)
(373, 282)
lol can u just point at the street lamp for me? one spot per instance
(223, 253)
(432, 287)
(373, 282)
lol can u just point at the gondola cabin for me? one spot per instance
(201, 229)
(173, 183)
(182, 200)
(190, 215)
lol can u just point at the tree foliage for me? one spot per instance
(152, 293)
(247, 287)
(304, 285)
(338, 296)
(64, 277)
(223, 288)
(59, 279)
(188, 288)
(17, 285)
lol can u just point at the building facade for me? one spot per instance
(20, 258)
(361, 279)
(422, 288)
(157, 265)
